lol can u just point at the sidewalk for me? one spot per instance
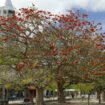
(54, 100)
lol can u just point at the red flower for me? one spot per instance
(91, 29)
(98, 44)
(84, 15)
(20, 65)
(84, 23)
(86, 69)
(104, 69)
(54, 53)
(85, 77)
(95, 73)
(75, 62)
(93, 63)
(5, 39)
(64, 52)
(58, 63)
(52, 46)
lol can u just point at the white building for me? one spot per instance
(8, 9)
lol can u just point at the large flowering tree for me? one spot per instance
(38, 46)
(76, 50)
(23, 49)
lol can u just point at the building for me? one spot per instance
(8, 9)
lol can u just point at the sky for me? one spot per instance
(95, 8)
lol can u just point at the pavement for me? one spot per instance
(54, 100)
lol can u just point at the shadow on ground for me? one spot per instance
(80, 103)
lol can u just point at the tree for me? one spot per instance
(41, 47)
(86, 88)
(24, 42)
(73, 47)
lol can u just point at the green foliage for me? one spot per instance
(52, 86)
(84, 87)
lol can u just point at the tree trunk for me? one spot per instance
(60, 83)
(99, 97)
(103, 96)
(31, 99)
(89, 99)
(61, 95)
(39, 96)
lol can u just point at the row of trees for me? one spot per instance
(38, 48)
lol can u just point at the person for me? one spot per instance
(72, 95)
(47, 93)
(76, 94)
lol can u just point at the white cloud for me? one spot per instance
(57, 6)
(61, 5)
(18, 3)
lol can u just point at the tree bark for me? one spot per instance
(99, 97)
(60, 85)
(61, 95)
(89, 98)
(39, 96)
(103, 96)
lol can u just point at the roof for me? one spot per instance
(9, 5)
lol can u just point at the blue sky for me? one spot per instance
(95, 8)
(98, 17)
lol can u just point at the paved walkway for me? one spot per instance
(54, 101)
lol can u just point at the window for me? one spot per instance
(4, 12)
(11, 12)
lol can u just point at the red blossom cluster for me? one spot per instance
(20, 66)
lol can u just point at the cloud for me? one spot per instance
(61, 5)
(57, 6)
(22, 3)
(18, 3)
